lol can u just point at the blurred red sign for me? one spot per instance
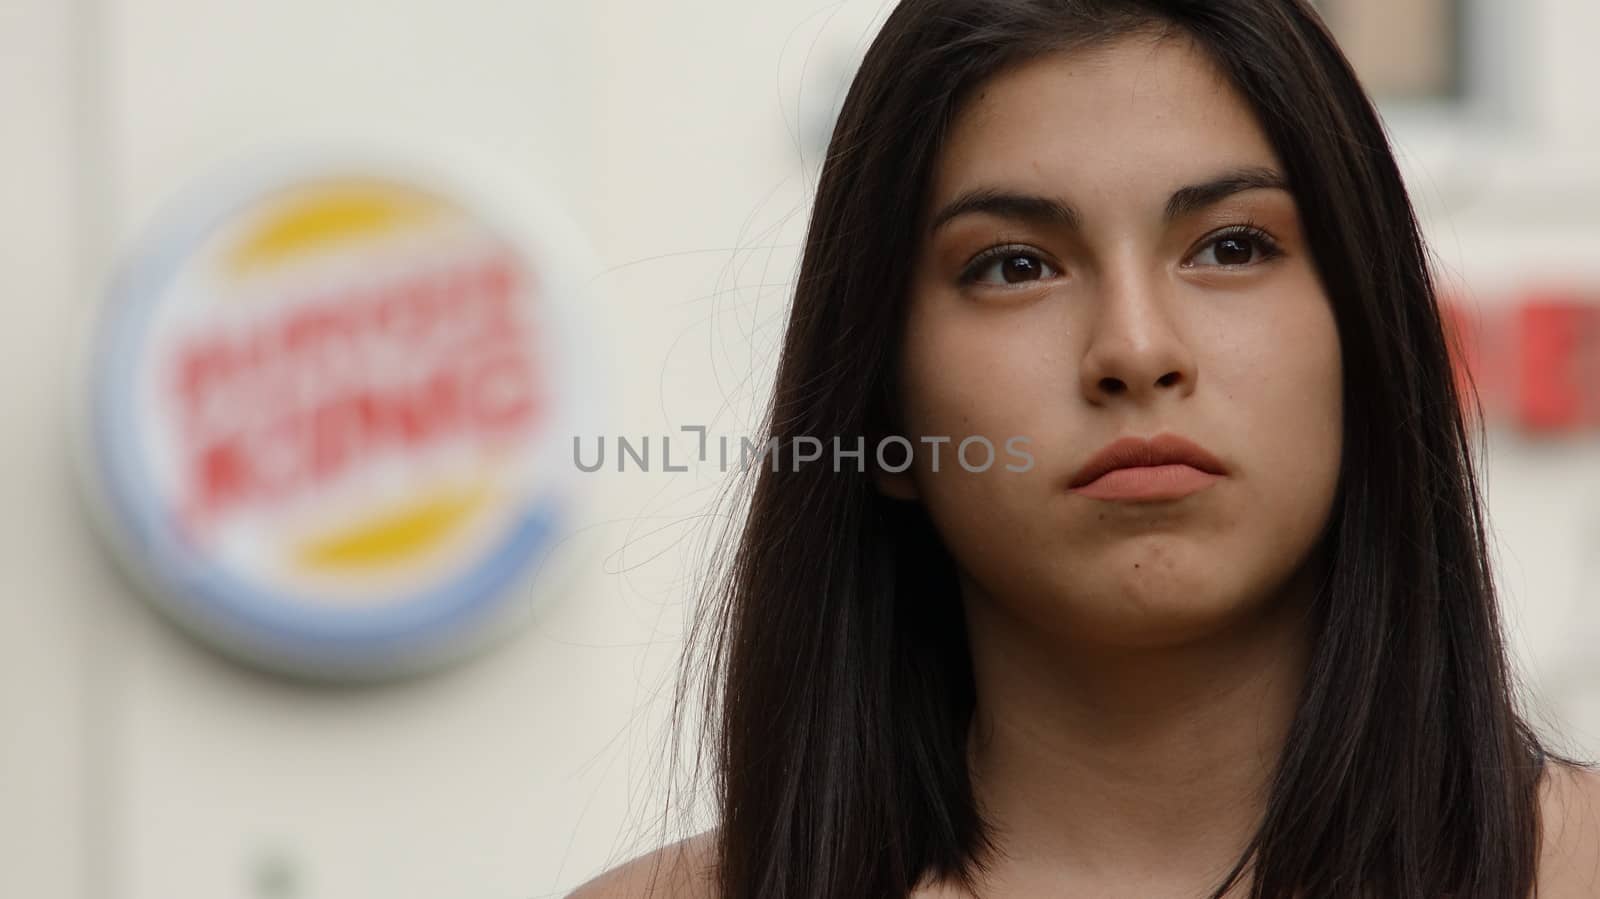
(1534, 361)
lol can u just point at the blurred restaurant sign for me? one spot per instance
(327, 408)
(1535, 361)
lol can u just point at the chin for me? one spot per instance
(1160, 607)
(1157, 627)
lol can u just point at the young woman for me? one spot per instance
(1217, 619)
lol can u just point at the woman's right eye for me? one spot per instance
(1008, 265)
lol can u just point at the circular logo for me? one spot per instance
(328, 411)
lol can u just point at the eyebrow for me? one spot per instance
(1049, 211)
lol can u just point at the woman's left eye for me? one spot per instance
(1239, 247)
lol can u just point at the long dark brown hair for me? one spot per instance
(838, 681)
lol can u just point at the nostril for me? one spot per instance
(1168, 379)
(1111, 385)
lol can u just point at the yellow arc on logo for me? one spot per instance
(330, 213)
(401, 534)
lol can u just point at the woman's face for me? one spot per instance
(1105, 256)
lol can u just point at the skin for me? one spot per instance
(1137, 664)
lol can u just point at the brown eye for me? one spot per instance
(1238, 248)
(1008, 265)
(1234, 251)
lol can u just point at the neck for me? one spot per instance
(1138, 769)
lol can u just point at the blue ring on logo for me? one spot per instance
(282, 625)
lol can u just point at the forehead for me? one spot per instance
(1125, 123)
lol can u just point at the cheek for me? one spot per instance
(1003, 375)
(973, 371)
(1285, 394)
(1305, 393)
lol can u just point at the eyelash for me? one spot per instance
(1267, 248)
(1265, 243)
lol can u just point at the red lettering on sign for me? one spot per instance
(296, 401)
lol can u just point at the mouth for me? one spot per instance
(1136, 469)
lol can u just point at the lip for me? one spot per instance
(1164, 467)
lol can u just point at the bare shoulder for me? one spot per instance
(681, 870)
(1569, 861)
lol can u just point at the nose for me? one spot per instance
(1136, 352)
